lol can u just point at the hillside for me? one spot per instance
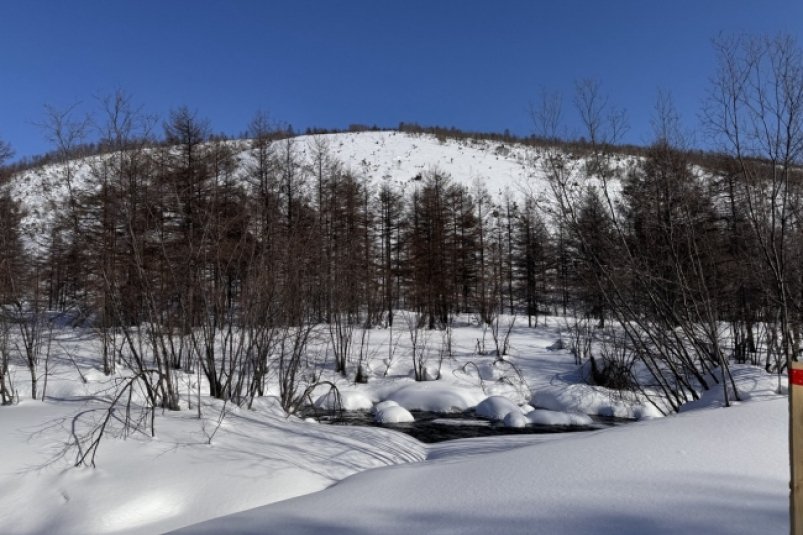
(389, 157)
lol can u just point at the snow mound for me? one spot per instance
(383, 405)
(269, 405)
(545, 417)
(393, 415)
(496, 408)
(753, 384)
(590, 399)
(436, 397)
(349, 401)
(516, 419)
(62, 390)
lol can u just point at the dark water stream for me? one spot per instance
(432, 427)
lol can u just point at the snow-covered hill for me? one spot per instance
(378, 157)
(398, 157)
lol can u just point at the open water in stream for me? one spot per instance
(432, 427)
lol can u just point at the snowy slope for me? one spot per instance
(379, 157)
(397, 157)
(390, 156)
(144, 485)
(714, 471)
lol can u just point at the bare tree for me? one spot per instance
(643, 288)
(6, 152)
(11, 262)
(66, 130)
(755, 108)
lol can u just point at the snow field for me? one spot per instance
(234, 459)
(714, 471)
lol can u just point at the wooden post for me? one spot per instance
(796, 447)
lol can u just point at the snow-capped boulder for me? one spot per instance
(516, 419)
(590, 399)
(436, 396)
(545, 417)
(382, 405)
(349, 401)
(495, 408)
(393, 414)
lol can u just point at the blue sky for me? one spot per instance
(329, 63)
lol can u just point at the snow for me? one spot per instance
(198, 469)
(387, 157)
(715, 471)
(591, 399)
(146, 485)
(629, 479)
(515, 419)
(396, 157)
(754, 385)
(495, 408)
(383, 405)
(393, 415)
(345, 400)
(435, 396)
(545, 417)
(269, 405)
(456, 450)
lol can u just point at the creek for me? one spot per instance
(430, 427)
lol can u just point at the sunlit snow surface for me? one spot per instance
(719, 471)
(725, 469)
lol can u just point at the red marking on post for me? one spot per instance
(796, 377)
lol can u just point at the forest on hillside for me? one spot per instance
(193, 252)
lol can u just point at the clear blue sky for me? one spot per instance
(328, 63)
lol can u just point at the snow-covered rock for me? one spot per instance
(349, 401)
(383, 405)
(545, 417)
(516, 419)
(495, 408)
(436, 396)
(393, 415)
(589, 399)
